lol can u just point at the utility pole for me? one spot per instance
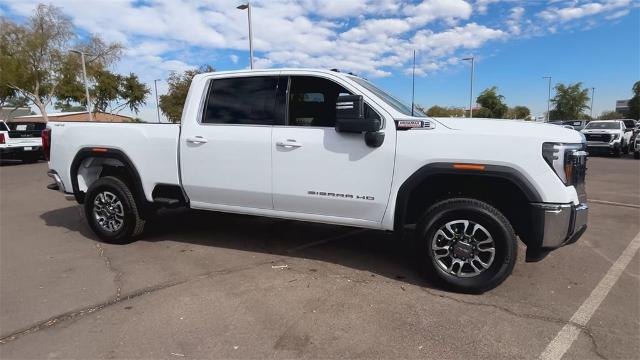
(413, 83)
(472, 59)
(247, 7)
(593, 91)
(86, 85)
(155, 84)
(548, 98)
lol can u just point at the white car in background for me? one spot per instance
(21, 141)
(610, 136)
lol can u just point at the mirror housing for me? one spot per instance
(350, 116)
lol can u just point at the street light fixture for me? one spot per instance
(548, 98)
(155, 85)
(247, 7)
(84, 76)
(472, 59)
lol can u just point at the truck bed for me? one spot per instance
(151, 148)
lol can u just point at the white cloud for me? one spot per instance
(577, 10)
(233, 58)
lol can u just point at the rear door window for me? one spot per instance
(242, 101)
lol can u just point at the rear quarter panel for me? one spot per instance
(152, 148)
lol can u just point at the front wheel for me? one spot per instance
(470, 246)
(636, 154)
(112, 212)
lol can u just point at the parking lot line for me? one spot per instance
(604, 202)
(569, 333)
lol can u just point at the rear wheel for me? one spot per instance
(636, 154)
(470, 246)
(112, 212)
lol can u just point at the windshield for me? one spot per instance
(390, 100)
(3, 126)
(603, 125)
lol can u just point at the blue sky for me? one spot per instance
(515, 42)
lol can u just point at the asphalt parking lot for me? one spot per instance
(208, 285)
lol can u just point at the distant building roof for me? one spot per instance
(75, 116)
(8, 112)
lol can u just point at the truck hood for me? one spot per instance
(511, 128)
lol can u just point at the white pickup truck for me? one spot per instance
(22, 143)
(330, 147)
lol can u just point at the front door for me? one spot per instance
(319, 171)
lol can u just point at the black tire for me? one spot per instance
(130, 222)
(636, 154)
(458, 210)
(617, 153)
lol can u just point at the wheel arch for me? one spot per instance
(490, 183)
(131, 175)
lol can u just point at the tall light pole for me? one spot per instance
(155, 85)
(548, 97)
(413, 83)
(593, 91)
(247, 7)
(472, 59)
(84, 76)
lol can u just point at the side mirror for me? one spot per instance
(350, 116)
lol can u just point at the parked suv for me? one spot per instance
(609, 136)
(330, 147)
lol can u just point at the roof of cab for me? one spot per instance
(279, 70)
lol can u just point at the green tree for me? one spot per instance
(634, 103)
(518, 112)
(36, 60)
(570, 102)
(493, 102)
(445, 111)
(109, 92)
(610, 115)
(172, 103)
(481, 112)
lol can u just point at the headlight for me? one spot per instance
(561, 157)
(615, 137)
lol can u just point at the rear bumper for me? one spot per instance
(58, 185)
(554, 226)
(19, 151)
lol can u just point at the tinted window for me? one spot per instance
(3, 127)
(248, 100)
(312, 101)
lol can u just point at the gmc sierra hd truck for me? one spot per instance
(331, 147)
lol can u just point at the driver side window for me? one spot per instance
(312, 102)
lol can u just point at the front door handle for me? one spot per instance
(288, 144)
(197, 140)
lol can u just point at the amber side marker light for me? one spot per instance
(99, 150)
(469, 167)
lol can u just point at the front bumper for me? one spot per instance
(603, 146)
(556, 225)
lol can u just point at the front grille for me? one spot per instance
(598, 137)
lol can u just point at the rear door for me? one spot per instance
(319, 171)
(226, 157)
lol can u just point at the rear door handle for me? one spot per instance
(197, 140)
(288, 144)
